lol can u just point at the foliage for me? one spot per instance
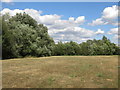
(23, 36)
(90, 47)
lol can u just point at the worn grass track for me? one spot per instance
(61, 72)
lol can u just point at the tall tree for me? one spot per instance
(26, 37)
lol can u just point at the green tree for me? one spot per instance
(25, 37)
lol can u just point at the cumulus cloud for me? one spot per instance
(113, 31)
(116, 34)
(32, 12)
(98, 21)
(80, 20)
(59, 29)
(71, 19)
(48, 19)
(99, 31)
(116, 38)
(110, 12)
(77, 34)
(109, 16)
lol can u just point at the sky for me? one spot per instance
(71, 21)
(60, 0)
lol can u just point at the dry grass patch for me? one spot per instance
(61, 72)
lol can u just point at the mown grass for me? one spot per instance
(61, 72)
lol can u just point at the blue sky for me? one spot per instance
(90, 10)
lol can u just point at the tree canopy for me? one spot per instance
(23, 36)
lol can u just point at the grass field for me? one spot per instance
(61, 72)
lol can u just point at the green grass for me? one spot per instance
(61, 72)
(99, 75)
(118, 66)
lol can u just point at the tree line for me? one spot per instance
(22, 36)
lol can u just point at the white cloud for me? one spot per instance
(110, 12)
(99, 31)
(71, 19)
(6, 0)
(77, 34)
(59, 29)
(32, 12)
(116, 38)
(80, 20)
(48, 19)
(98, 21)
(113, 31)
(109, 16)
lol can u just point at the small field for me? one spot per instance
(61, 72)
